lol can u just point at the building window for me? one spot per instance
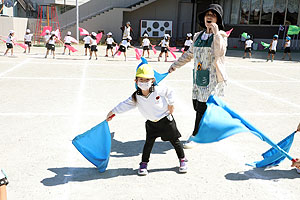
(245, 7)
(279, 12)
(267, 9)
(235, 12)
(254, 12)
(292, 12)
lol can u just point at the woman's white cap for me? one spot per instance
(69, 33)
(52, 33)
(11, 31)
(167, 35)
(189, 34)
(47, 31)
(109, 33)
(28, 31)
(146, 35)
(94, 34)
(129, 37)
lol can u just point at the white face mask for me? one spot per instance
(145, 85)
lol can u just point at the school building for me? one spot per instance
(259, 18)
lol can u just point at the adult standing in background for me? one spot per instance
(126, 31)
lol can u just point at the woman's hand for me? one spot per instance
(171, 69)
(214, 28)
(170, 109)
(109, 116)
(298, 128)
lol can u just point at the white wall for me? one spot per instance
(19, 25)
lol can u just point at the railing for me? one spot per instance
(92, 8)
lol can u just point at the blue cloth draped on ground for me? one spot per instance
(95, 145)
(220, 122)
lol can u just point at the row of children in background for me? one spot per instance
(90, 43)
(272, 48)
(287, 48)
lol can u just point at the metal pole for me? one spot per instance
(77, 21)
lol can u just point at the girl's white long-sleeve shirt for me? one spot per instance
(153, 108)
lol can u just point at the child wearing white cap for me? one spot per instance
(87, 40)
(28, 39)
(10, 43)
(146, 44)
(156, 104)
(188, 42)
(164, 46)
(67, 41)
(93, 44)
(51, 44)
(124, 44)
(109, 44)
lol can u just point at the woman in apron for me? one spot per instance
(208, 50)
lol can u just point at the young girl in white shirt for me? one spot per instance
(51, 44)
(27, 40)
(109, 44)
(87, 40)
(287, 48)
(248, 47)
(67, 41)
(272, 49)
(146, 44)
(156, 104)
(164, 47)
(188, 42)
(93, 44)
(10, 43)
(123, 46)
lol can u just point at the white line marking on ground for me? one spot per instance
(259, 70)
(182, 113)
(16, 66)
(74, 123)
(268, 95)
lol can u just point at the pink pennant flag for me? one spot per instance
(57, 33)
(137, 54)
(182, 49)
(24, 46)
(74, 40)
(71, 48)
(99, 36)
(153, 49)
(83, 31)
(171, 51)
(49, 28)
(228, 32)
(3, 40)
(117, 47)
(119, 53)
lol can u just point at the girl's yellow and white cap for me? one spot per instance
(145, 71)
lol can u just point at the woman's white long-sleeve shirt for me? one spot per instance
(153, 108)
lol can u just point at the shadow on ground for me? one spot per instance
(263, 174)
(135, 148)
(118, 149)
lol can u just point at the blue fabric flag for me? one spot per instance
(273, 157)
(95, 145)
(220, 122)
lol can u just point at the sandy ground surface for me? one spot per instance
(45, 103)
